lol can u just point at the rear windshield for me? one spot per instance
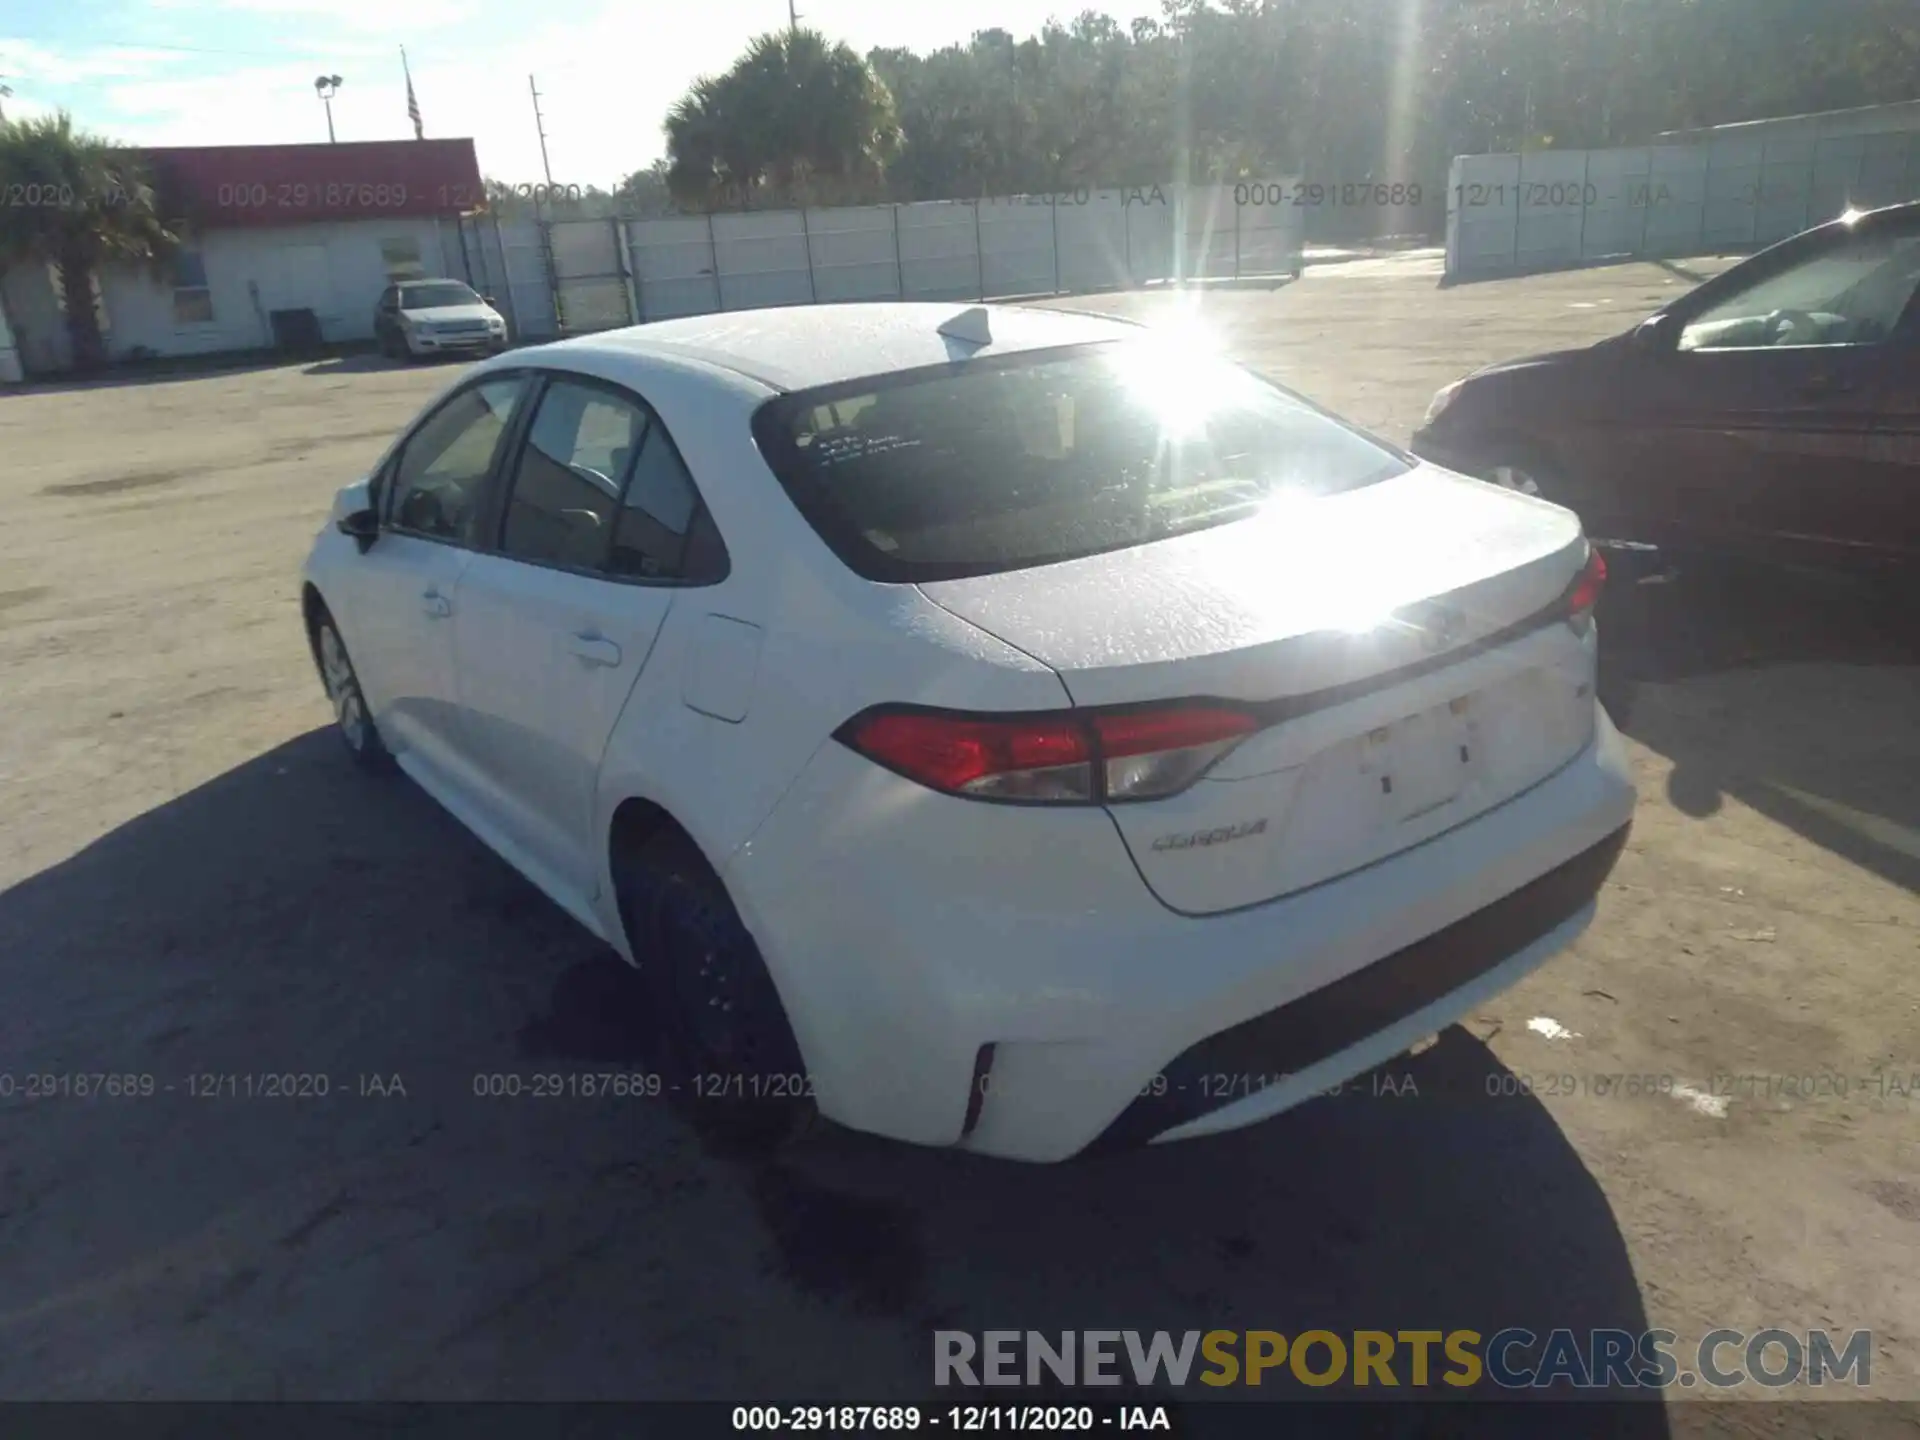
(970, 469)
(432, 297)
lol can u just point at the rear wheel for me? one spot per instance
(730, 1050)
(1523, 469)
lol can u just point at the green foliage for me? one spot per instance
(1337, 90)
(796, 120)
(78, 202)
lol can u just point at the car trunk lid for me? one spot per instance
(1398, 644)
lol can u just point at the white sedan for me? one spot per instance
(1002, 728)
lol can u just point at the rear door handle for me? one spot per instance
(437, 606)
(594, 649)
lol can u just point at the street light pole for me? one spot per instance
(326, 87)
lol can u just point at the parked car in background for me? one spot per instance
(1005, 728)
(436, 317)
(1773, 411)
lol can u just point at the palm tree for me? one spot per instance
(794, 115)
(88, 203)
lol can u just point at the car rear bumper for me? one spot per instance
(1001, 978)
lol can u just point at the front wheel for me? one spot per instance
(352, 720)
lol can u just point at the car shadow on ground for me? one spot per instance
(361, 363)
(1793, 692)
(429, 1227)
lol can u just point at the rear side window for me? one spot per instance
(661, 513)
(970, 469)
(567, 483)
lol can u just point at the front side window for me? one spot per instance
(970, 469)
(444, 464)
(568, 479)
(1850, 293)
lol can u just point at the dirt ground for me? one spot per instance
(197, 884)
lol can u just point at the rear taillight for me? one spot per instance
(1584, 593)
(1076, 757)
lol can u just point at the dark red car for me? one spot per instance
(1773, 411)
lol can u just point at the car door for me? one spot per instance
(1896, 442)
(588, 543)
(430, 495)
(1761, 411)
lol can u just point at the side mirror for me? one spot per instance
(1651, 335)
(488, 298)
(354, 515)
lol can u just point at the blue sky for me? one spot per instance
(212, 72)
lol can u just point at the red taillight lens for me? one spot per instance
(1081, 757)
(1043, 758)
(1584, 593)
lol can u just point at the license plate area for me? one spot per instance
(1420, 764)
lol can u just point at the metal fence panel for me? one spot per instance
(1270, 229)
(853, 253)
(571, 276)
(524, 273)
(675, 266)
(762, 259)
(1092, 231)
(1509, 214)
(1211, 229)
(940, 250)
(1017, 251)
(586, 261)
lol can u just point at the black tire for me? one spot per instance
(352, 720)
(730, 1056)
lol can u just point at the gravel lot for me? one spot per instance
(197, 883)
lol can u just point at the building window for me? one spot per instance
(401, 256)
(192, 299)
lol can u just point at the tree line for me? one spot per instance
(1335, 90)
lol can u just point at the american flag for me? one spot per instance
(413, 105)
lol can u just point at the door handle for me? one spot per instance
(437, 606)
(594, 649)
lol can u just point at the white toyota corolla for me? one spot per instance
(999, 727)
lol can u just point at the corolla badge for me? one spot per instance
(1195, 839)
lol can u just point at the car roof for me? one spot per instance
(797, 347)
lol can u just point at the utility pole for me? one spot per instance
(326, 87)
(540, 128)
(793, 17)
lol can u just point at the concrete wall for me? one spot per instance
(1511, 214)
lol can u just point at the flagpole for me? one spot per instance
(413, 105)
